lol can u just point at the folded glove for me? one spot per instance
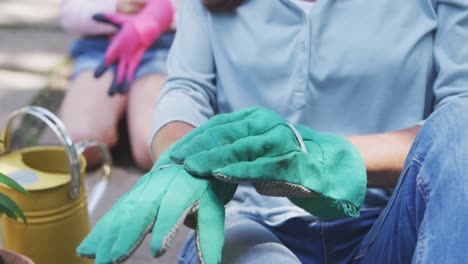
(322, 173)
(159, 203)
(137, 33)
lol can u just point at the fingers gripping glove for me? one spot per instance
(137, 33)
(320, 172)
(159, 203)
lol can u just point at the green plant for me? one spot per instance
(7, 205)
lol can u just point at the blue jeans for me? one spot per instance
(88, 53)
(424, 221)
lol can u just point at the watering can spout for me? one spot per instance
(97, 192)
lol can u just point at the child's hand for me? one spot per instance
(130, 7)
(135, 35)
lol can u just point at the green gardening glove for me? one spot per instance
(322, 173)
(160, 202)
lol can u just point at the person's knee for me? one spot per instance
(451, 116)
(459, 112)
(93, 155)
(442, 145)
(89, 113)
(261, 253)
(247, 241)
(453, 143)
(108, 137)
(446, 126)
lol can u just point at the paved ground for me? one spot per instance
(34, 68)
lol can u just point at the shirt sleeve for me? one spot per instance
(189, 92)
(451, 52)
(175, 3)
(76, 16)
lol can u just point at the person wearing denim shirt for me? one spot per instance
(387, 74)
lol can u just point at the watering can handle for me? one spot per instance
(58, 128)
(104, 175)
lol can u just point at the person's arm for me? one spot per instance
(384, 154)
(451, 52)
(188, 96)
(168, 135)
(76, 16)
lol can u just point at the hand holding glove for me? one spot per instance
(136, 34)
(159, 203)
(130, 7)
(322, 173)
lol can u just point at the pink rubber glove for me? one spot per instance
(137, 33)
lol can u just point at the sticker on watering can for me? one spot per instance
(24, 177)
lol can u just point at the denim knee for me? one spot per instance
(441, 147)
(452, 115)
(445, 131)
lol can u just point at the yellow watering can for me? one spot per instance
(56, 208)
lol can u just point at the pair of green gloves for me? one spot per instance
(193, 180)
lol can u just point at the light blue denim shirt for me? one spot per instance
(349, 67)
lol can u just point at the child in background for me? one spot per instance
(131, 43)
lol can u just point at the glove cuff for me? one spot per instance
(298, 136)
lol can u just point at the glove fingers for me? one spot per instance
(175, 206)
(142, 207)
(271, 175)
(90, 244)
(122, 88)
(276, 142)
(129, 73)
(210, 230)
(100, 70)
(217, 120)
(114, 51)
(112, 19)
(211, 138)
(122, 67)
(135, 226)
(121, 70)
(229, 133)
(133, 64)
(114, 86)
(103, 252)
